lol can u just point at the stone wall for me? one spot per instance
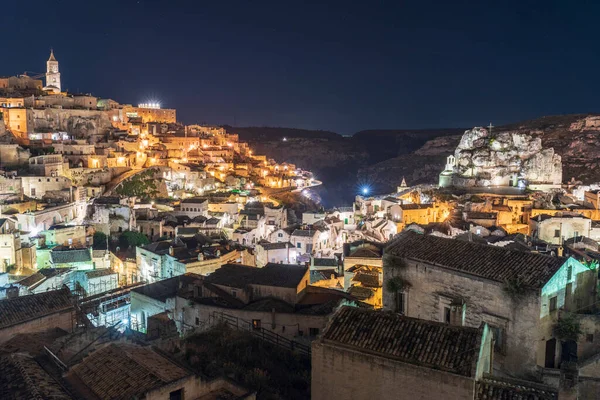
(486, 301)
(63, 320)
(339, 373)
(285, 324)
(13, 154)
(80, 123)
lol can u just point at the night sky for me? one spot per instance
(343, 66)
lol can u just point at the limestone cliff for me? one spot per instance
(507, 158)
(80, 123)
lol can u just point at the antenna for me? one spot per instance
(490, 126)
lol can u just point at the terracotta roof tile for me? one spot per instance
(24, 308)
(490, 262)
(238, 275)
(125, 371)
(429, 344)
(23, 378)
(495, 388)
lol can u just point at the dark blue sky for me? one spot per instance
(342, 66)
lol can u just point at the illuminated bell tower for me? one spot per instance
(52, 74)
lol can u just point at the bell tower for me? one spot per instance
(52, 74)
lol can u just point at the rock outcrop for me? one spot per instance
(508, 158)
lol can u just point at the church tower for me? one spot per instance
(52, 74)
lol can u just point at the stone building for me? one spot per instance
(560, 227)
(147, 114)
(155, 298)
(465, 283)
(381, 355)
(130, 371)
(205, 303)
(281, 252)
(36, 313)
(52, 75)
(22, 83)
(37, 187)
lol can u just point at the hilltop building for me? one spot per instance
(52, 75)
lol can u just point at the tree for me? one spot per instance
(99, 241)
(132, 239)
(568, 328)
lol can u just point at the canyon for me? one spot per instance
(381, 158)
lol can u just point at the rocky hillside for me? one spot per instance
(576, 138)
(380, 158)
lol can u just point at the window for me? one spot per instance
(553, 303)
(176, 395)
(280, 234)
(589, 338)
(197, 321)
(32, 192)
(234, 293)
(299, 245)
(569, 272)
(313, 331)
(401, 302)
(498, 338)
(557, 233)
(446, 314)
(256, 324)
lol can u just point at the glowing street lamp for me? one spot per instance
(365, 190)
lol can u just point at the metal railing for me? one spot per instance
(260, 333)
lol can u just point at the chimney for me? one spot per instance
(559, 251)
(171, 250)
(12, 292)
(196, 291)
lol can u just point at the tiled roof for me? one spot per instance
(480, 215)
(495, 388)
(21, 377)
(276, 246)
(194, 200)
(325, 262)
(31, 343)
(238, 275)
(366, 252)
(416, 206)
(125, 371)
(97, 273)
(490, 262)
(25, 308)
(429, 344)
(70, 256)
(361, 293)
(367, 279)
(31, 280)
(167, 288)
(305, 232)
(544, 217)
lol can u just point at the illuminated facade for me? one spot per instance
(52, 75)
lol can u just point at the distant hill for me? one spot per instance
(383, 144)
(272, 133)
(380, 158)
